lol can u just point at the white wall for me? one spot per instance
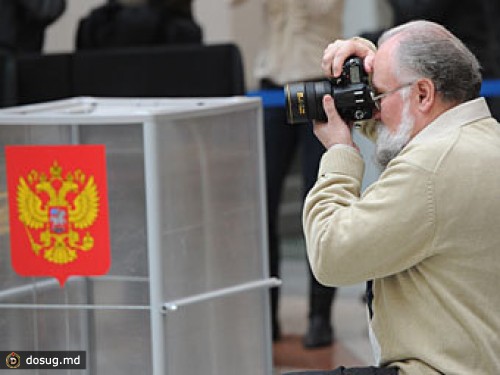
(221, 22)
(61, 34)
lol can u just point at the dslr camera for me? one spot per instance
(351, 91)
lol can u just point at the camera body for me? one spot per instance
(351, 92)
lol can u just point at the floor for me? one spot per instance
(351, 347)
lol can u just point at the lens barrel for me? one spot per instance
(351, 92)
(304, 101)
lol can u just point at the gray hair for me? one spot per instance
(427, 49)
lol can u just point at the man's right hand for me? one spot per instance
(335, 131)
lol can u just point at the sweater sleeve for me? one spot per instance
(351, 239)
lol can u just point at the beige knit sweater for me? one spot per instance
(428, 233)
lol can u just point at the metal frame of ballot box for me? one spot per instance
(187, 291)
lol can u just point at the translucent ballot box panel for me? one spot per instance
(210, 224)
(127, 284)
(209, 204)
(30, 329)
(187, 290)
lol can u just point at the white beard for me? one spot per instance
(389, 145)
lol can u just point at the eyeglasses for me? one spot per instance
(377, 99)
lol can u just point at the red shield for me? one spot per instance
(58, 206)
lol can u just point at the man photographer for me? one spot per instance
(426, 232)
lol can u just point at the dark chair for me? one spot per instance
(41, 78)
(190, 70)
(167, 71)
(8, 96)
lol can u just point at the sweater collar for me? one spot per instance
(453, 119)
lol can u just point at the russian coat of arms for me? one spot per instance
(57, 209)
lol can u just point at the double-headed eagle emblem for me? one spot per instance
(57, 212)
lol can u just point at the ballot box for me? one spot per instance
(186, 290)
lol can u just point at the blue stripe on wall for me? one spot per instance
(276, 97)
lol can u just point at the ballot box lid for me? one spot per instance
(91, 110)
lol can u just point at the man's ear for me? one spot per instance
(426, 94)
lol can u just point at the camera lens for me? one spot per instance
(351, 92)
(304, 101)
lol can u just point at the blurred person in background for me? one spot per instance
(23, 23)
(22, 31)
(298, 32)
(136, 23)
